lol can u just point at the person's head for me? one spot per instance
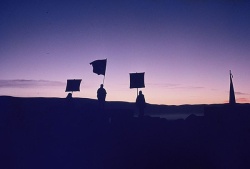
(140, 92)
(101, 85)
(69, 96)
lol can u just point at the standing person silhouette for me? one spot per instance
(101, 96)
(141, 104)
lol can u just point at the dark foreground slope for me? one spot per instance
(55, 133)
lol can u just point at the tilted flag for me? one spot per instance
(73, 85)
(99, 66)
(231, 93)
(137, 80)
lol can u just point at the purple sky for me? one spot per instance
(185, 47)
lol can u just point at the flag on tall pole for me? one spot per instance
(73, 85)
(137, 80)
(99, 66)
(231, 93)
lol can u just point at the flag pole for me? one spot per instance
(105, 71)
(103, 79)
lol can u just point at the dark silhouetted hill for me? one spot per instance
(73, 133)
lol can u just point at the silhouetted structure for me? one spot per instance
(101, 96)
(99, 66)
(231, 94)
(137, 80)
(72, 86)
(141, 104)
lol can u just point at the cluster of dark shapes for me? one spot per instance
(58, 133)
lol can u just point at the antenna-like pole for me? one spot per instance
(103, 79)
(105, 72)
(231, 92)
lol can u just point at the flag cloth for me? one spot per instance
(231, 93)
(137, 80)
(99, 66)
(73, 85)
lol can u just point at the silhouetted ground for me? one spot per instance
(39, 133)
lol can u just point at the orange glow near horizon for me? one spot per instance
(159, 96)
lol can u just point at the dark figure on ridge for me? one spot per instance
(101, 96)
(69, 96)
(141, 104)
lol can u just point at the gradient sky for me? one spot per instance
(185, 47)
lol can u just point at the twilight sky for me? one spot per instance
(185, 47)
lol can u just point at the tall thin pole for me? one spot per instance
(231, 92)
(103, 79)
(105, 71)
